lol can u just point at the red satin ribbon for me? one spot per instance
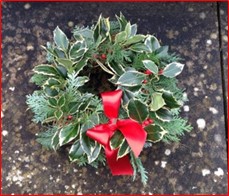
(133, 132)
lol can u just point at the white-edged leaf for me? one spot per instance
(76, 151)
(45, 69)
(173, 69)
(157, 101)
(123, 150)
(104, 67)
(152, 43)
(131, 78)
(150, 65)
(60, 39)
(134, 39)
(155, 133)
(68, 133)
(137, 110)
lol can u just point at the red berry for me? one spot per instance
(103, 56)
(69, 117)
(160, 72)
(148, 72)
(150, 121)
(144, 81)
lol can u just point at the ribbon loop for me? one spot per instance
(111, 103)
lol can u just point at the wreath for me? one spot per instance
(106, 94)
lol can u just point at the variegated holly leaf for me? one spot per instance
(116, 140)
(157, 101)
(61, 101)
(76, 151)
(162, 51)
(52, 82)
(131, 78)
(164, 114)
(90, 147)
(80, 65)
(122, 21)
(139, 47)
(127, 96)
(45, 69)
(150, 65)
(121, 37)
(60, 39)
(173, 69)
(68, 133)
(116, 68)
(170, 100)
(55, 141)
(152, 43)
(77, 50)
(50, 92)
(155, 133)
(137, 110)
(135, 39)
(58, 114)
(123, 150)
(65, 63)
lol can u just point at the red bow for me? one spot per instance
(133, 132)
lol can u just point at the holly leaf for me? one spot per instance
(173, 69)
(60, 39)
(58, 114)
(62, 71)
(131, 78)
(137, 110)
(50, 92)
(139, 47)
(77, 50)
(164, 114)
(162, 51)
(65, 62)
(45, 69)
(155, 133)
(61, 101)
(87, 143)
(170, 100)
(127, 95)
(52, 82)
(55, 141)
(116, 140)
(157, 101)
(120, 37)
(52, 102)
(76, 151)
(68, 133)
(123, 150)
(152, 43)
(150, 65)
(94, 152)
(135, 39)
(133, 30)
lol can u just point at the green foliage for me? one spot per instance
(45, 137)
(138, 167)
(39, 104)
(77, 70)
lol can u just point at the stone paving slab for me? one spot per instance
(196, 165)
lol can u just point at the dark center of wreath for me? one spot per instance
(98, 78)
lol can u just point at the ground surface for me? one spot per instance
(198, 164)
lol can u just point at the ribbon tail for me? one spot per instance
(122, 166)
(134, 134)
